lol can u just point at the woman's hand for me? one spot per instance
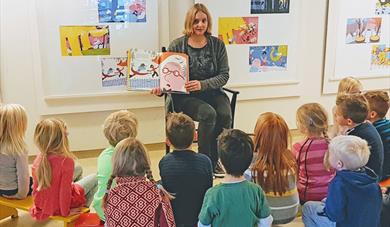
(156, 91)
(193, 85)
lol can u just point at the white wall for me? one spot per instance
(17, 81)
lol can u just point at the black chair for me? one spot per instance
(169, 108)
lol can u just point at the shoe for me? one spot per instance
(219, 171)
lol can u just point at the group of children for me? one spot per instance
(333, 174)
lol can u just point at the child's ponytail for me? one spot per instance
(44, 173)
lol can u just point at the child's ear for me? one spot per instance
(340, 165)
(350, 122)
(372, 114)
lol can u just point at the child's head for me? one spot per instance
(349, 85)
(120, 125)
(312, 120)
(271, 134)
(13, 125)
(180, 130)
(273, 160)
(235, 148)
(347, 152)
(51, 137)
(351, 109)
(130, 159)
(378, 102)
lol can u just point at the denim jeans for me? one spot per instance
(212, 110)
(311, 218)
(89, 184)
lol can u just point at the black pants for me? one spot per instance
(212, 110)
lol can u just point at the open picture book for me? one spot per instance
(150, 69)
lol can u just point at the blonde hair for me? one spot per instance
(130, 159)
(120, 125)
(190, 18)
(351, 150)
(349, 85)
(274, 162)
(51, 138)
(312, 119)
(13, 125)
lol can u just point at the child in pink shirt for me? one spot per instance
(313, 177)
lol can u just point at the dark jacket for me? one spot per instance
(354, 199)
(369, 133)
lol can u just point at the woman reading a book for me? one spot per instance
(209, 72)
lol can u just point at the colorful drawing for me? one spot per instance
(84, 40)
(382, 7)
(122, 11)
(114, 72)
(174, 72)
(380, 56)
(238, 30)
(165, 70)
(268, 58)
(270, 6)
(363, 30)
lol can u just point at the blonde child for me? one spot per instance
(14, 174)
(354, 197)
(54, 192)
(348, 85)
(274, 167)
(313, 178)
(117, 126)
(135, 201)
(379, 103)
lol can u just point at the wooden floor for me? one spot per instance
(89, 166)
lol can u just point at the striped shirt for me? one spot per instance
(284, 208)
(383, 128)
(313, 178)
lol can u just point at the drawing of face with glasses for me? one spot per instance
(173, 76)
(168, 72)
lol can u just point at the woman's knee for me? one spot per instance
(207, 114)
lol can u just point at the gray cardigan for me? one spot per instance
(217, 49)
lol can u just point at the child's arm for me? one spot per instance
(335, 202)
(104, 169)
(265, 222)
(23, 177)
(206, 214)
(264, 211)
(65, 194)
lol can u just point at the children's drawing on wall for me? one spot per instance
(380, 57)
(136, 11)
(114, 72)
(238, 30)
(363, 30)
(122, 11)
(84, 40)
(270, 6)
(143, 71)
(382, 7)
(268, 58)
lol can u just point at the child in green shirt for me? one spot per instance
(117, 126)
(236, 201)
